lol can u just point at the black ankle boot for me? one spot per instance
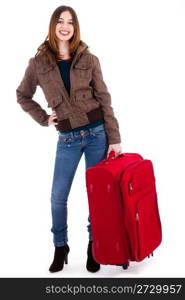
(91, 264)
(60, 255)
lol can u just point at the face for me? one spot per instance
(64, 28)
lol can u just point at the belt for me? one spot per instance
(93, 115)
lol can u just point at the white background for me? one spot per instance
(141, 48)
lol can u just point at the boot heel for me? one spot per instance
(60, 256)
(66, 259)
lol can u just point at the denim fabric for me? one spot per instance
(93, 142)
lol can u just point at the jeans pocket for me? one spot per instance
(65, 138)
(99, 131)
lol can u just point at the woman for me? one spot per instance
(71, 79)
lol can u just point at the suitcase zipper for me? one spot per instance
(137, 217)
(130, 186)
(130, 183)
(130, 165)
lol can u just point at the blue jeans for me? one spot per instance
(70, 147)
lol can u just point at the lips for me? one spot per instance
(64, 32)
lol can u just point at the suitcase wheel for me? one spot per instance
(125, 266)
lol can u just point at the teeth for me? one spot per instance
(65, 32)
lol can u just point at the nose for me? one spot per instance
(64, 26)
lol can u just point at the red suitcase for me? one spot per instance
(123, 206)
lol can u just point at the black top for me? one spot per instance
(64, 67)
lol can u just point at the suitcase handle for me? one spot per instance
(111, 156)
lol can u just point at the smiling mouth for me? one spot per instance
(64, 32)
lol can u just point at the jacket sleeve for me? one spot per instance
(103, 97)
(25, 92)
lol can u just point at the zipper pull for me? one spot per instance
(108, 188)
(137, 217)
(130, 186)
(91, 187)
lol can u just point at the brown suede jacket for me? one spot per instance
(89, 99)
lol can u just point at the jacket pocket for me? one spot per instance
(85, 101)
(55, 101)
(83, 70)
(44, 74)
(82, 95)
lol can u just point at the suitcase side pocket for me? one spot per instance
(148, 229)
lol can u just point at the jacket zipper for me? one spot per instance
(70, 92)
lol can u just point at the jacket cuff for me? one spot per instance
(114, 141)
(45, 122)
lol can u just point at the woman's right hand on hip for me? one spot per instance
(53, 119)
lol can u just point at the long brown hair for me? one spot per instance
(49, 48)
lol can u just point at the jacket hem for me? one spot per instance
(93, 115)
